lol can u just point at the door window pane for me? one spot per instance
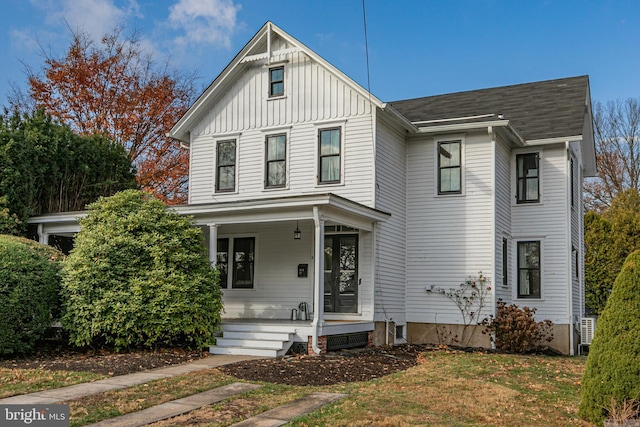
(243, 262)
(222, 261)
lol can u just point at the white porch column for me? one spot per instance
(213, 243)
(318, 278)
(43, 237)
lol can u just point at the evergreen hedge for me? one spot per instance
(29, 292)
(612, 372)
(139, 276)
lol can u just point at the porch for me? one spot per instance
(276, 337)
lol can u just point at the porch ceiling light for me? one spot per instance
(296, 233)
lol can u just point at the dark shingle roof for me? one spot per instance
(540, 110)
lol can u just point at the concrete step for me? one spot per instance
(247, 335)
(252, 327)
(246, 351)
(227, 342)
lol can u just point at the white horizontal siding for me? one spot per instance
(391, 197)
(302, 163)
(277, 288)
(547, 221)
(448, 237)
(503, 219)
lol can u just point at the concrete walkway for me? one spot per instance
(272, 418)
(123, 381)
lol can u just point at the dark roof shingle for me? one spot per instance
(540, 110)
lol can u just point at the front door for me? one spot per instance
(341, 273)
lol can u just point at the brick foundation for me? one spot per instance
(322, 345)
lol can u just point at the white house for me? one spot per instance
(311, 190)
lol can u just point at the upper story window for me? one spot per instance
(226, 166)
(276, 161)
(572, 182)
(528, 177)
(329, 156)
(276, 81)
(449, 167)
(529, 271)
(505, 262)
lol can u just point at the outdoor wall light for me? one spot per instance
(296, 233)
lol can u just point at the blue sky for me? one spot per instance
(416, 48)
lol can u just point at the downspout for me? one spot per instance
(318, 282)
(492, 135)
(569, 249)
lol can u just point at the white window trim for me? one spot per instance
(436, 157)
(269, 67)
(328, 126)
(232, 237)
(514, 175)
(514, 270)
(274, 132)
(223, 138)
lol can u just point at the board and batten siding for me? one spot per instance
(503, 220)
(314, 99)
(391, 197)
(449, 238)
(546, 221)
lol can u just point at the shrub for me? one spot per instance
(139, 276)
(29, 292)
(515, 329)
(612, 372)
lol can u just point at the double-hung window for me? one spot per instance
(222, 261)
(276, 161)
(449, 167)
(242, 262)
(226, 166)
(529, 271)
(276, 81)
(330, 161)
(528, 176)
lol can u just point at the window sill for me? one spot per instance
(275, 98)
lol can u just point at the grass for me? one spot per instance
(22, 381)
(447, 388)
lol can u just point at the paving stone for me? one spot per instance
(177, 407)
(283, 414)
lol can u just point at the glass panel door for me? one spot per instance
(341, 274)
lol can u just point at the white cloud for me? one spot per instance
(204, 21)
(94, 17)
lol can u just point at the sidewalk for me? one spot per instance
(272, 418)
(123, 381)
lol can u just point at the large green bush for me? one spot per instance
(29, 292)
(139, 276)
(613, 365)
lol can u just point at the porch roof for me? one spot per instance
(333, 208)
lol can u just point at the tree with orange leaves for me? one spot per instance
(116, 89)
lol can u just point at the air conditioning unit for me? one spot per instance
(587, 329)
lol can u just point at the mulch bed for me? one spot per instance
(332, 368)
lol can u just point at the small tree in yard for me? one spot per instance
(139, 276)
(29, 292)
(612, 374)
